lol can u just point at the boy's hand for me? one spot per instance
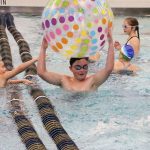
(44, 44)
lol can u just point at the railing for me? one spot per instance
(24, 3)
(42, 3)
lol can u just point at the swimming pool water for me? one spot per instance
(116, 117)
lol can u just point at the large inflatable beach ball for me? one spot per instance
(76, 28)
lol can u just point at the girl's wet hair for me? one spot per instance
(133, 22)
(73, 60)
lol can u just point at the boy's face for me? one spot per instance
(80, 69)
(2, 67)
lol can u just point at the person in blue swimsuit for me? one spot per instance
(131, 28)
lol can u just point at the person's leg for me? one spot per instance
(5, 48)
(9, 20)
(2, 20)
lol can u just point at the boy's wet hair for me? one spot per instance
(73, 60)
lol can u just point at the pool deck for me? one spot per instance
(130, 7)
(129, 3)
(36, 6)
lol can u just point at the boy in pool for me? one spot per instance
(5, 75)
(131, 28)
(79, 67)
(124, 65)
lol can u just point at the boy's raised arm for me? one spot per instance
(102, 75)
(50, 77)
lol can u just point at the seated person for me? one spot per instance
(5, 75)
(124, 65)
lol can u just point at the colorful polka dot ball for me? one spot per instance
(76, 28)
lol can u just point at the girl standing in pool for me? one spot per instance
(131, 28)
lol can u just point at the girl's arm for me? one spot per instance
(24, 81)
(20, 68)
